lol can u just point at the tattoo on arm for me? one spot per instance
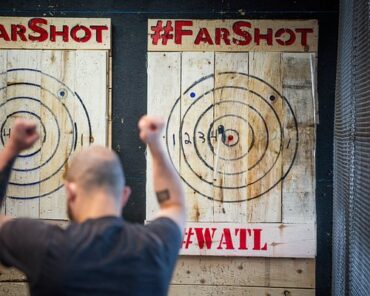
(4, 179)
(162, 196)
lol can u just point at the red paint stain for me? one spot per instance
(230, 138)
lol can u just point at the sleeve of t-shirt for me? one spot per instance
(23, 243)
(168, 232)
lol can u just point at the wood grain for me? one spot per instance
(299, 185)
(31, 59)
(14, 289)
(266, 208)
(239, 271)
(163, 90)
(231, 205)
(195, 66)
(186, 290)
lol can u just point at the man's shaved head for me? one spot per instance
(97, 168)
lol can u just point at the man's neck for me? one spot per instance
(97, 206)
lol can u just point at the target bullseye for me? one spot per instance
(248, 153)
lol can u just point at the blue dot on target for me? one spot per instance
(192, 94)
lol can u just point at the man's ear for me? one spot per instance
(125, 196)
(71, 190)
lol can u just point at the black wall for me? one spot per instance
(129, 22)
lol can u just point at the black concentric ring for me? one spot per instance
(243, 171)
(276, 154)
(59, 97)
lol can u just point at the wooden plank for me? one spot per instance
(58, 64)
(185, 290)
(68, 33)
(91, 85)
(109, 120)
(3, 62)
(296, 70)
(299, 185)
(231, 112)
(252, 240)
(267, 207)
(232, 35)
(196, 98)
(109, 102)
(292, 273)
(264, 272)
(238, 271)
(14, 289)
(297, 86)
(11, 274)
(84, 74)
(163, 91)
(19, 289)
(18, 86)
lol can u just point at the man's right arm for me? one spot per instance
(166, 182)
(7, 157)
(23, 136)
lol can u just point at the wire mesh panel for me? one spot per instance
(351, 241)
(359, 243)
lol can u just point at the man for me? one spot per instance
(99, 253)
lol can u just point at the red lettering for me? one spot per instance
(204, 238)
(222, 34)
(179, 32)
(99, 32)
(18, 30)
(243, 237)
(237, 28)
(87, 33)
(226, 240)
(203, 36)
(187, 238)
(258, 36)
(63, 33)
(33, 25)
(3, 33)
(288, 41)
(257, 240)
(304, 32)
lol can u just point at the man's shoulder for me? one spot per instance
(26, 231)
(166, 230)
(26, 225)
(163, 223)
(24, 242)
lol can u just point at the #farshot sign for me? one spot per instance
(56, 33)
(239, 97)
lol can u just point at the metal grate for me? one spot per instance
(351, 227)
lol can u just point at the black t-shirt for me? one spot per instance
(105, 256)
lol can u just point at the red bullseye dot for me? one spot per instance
(230, 138)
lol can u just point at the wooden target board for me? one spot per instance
(240, 102)
(65, 91)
